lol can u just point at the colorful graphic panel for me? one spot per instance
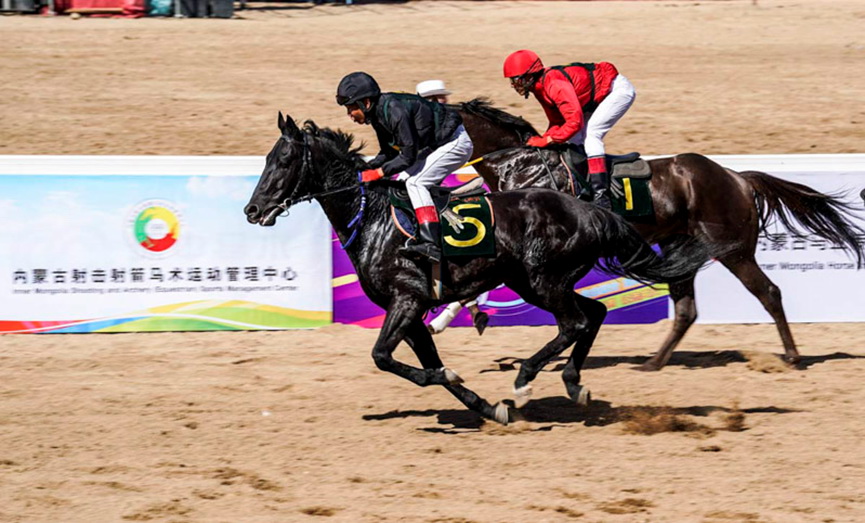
(628, 301)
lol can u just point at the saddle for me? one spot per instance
(629, 181)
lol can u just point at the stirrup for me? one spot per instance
(602, 200)
(422, 251)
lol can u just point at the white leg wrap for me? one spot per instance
(452, 377)
(501, 413)
(441, 322)
(522, 396)
(583, 396)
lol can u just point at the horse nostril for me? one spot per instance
(251, 210)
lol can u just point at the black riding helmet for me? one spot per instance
(355, 87)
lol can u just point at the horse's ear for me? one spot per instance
(288, 127)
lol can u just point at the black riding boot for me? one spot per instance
(600, 189)
(427, 246)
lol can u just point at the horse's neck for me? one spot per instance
(490, 136)
(372, 229)
(341, 208)
(525, 168)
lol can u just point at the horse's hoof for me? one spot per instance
(582, 397)
(452, 377)
(481, 320)
(522, 396)
(792, 361)
(647, 367)
(500, 413)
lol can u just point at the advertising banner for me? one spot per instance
(126, 244)
(819, 282)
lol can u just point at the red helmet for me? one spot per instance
(522, 62)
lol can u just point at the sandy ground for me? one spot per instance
(300, 426)
(711, 77)
(295, 426)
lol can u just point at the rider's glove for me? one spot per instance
(371, 175)
(538, 141)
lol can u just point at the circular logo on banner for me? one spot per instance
(156, 226)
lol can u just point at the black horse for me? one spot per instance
(693, 197)
(545, 242)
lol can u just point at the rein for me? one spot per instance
(355, 222)
(547, 168)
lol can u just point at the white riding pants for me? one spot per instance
(430, 171)
(608, 112)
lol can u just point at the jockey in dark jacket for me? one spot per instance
(421, 141)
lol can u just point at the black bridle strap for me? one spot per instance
(283, 207)
(288, 203)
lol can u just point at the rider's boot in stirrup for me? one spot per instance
(574, 155)
(427, 246)
(600, 189)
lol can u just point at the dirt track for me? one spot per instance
(266, 427)
(300, 426)
(711, 77)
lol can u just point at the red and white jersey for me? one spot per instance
(564, 100)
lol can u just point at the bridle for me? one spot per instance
(305, 169)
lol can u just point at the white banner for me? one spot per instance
(818, 281)
(114, 244)
(118, 244)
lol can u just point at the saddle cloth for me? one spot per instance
(630, 176)
(467, 218)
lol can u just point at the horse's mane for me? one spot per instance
(341, 143)
(483, 107)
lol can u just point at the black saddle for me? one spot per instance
(614, 159)
(398, 194)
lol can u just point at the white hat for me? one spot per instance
(432, 88)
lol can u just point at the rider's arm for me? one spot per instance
(406, 138)
(385, 150)
(564, 95)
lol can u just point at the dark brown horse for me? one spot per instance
(693, 196)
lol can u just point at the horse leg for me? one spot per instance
(573, 324)
(595, 311)
(756, 281)
(420, 340)
(682, 294)
(480, 319)
(402, 312)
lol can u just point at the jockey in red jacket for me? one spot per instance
(582, 103)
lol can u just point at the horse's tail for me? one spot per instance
(627, 254)
(800, 207)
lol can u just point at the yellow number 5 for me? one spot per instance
(481, 229)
